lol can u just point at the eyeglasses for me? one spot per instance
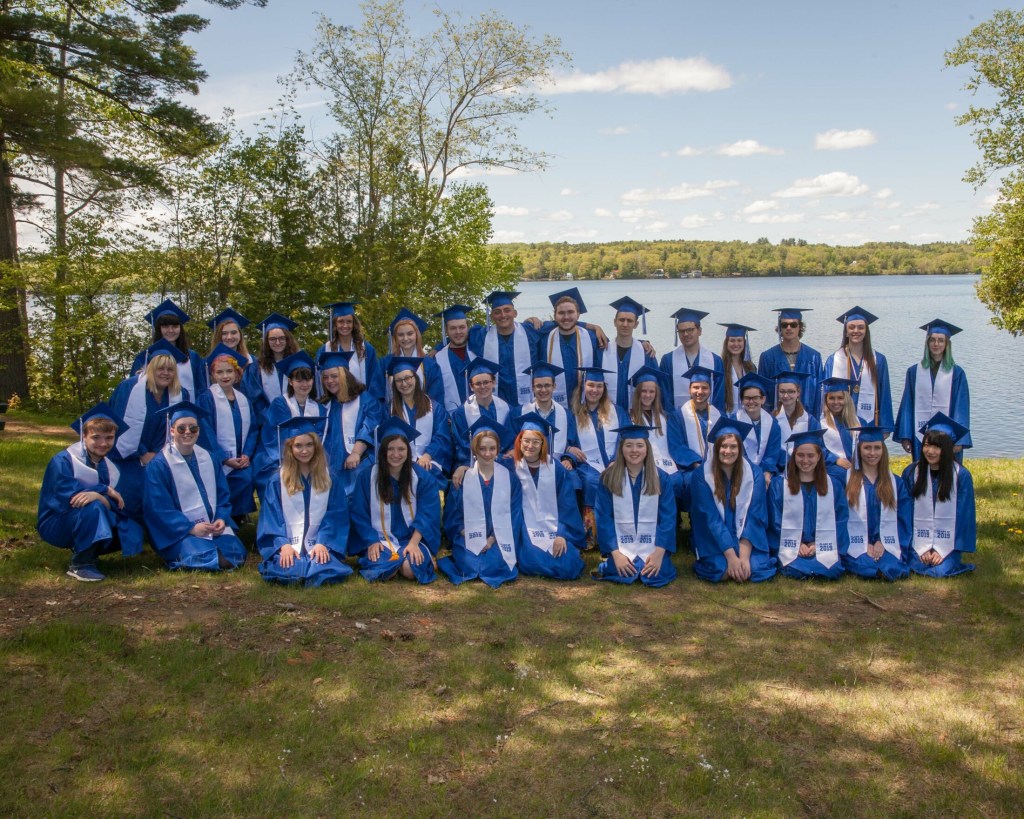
(750, 398)
(276, 339)
(191, 429)
(789, 324)
(686, 330)
(405, 379)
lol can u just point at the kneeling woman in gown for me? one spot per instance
(942, 526)
(729, 513)
(807, 513)
(880, 511)
(636, 514)
(396, 510)
(303, 527)
(187, 502)
(553, 526)
(483, 516)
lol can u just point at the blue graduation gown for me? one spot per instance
(679, 393)
(713, 535)
(959, 409)
(272, 534)
(808, 360)
(440, 448)
(458, 367)
(508, 388)
(90, 530)
(252, 386)
(460, 432)
(966, 539)
(426, 521)
(169, 528)
(883, 394)
(432, 383)
(376, 382)
(488, 566)
(367, 419)
(570, 361)
(804, 567)
(665, 536)
(774, 454)
(589, 479)
(886, 567)
(200, 379)
(532, 560)
(623, 389)
(240, 481)
(812, 424)
(267, 458)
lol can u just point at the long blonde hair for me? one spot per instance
(218, 338)
(150, 373)
(612, 476)
(636, 412)
(291, 475)
(849, 413)
(605, 407)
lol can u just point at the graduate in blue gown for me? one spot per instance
(137, 400)
(636, 515)
(763, 446)
(511, 344)
(553, 529)
(790, 411)
(483, 516)
(943, 526)
(454, 355)
(168, 322)
(302, 534)
(405, 339)
(233, 429)
(347, 335)
(187, 503)
(867, 369)
(80, 507)
(564, 445)
(689, 355)
(396, 511)
(880, 512)
(432, 445)
(736, 363)
(698, 415)
(838, 423)
(729, 512)
(263, 382)
(624, 358)
(568, 344)
(297, 401)
(936, 384)
(791, 354)
(227, 327)
(482, 403)
(352, 415)
(807, 513)
(597, 418)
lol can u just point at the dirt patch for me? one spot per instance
(16, 427)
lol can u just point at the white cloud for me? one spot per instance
(747, 147)
(991, 199)
(836, 140)
(922, 208)
(507, 236)
(507, 210)
(654, 227)
(894, 228)
(837, 183)
(774, 218)
(884, 193)
(844, 216)
(760, 206)
(697, 221)
(689, 150)
(951, 106)
(578, 235)
(568, 192)
(677, 193)
(926, 237)
(480, 170)
(667, 75)
(634, 215)
(561, 216)
(602, 212)
(617, 131)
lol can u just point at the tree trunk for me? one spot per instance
(13, 338)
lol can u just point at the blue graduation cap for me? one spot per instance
(296, 361)
(938, 326)
(499, 298)
(228, 315)
(329, 359)
(628, 305)
(484, 424)
(940, 422)
(726, 425)
(222, 350)
(593, 373)
(857, 314)
(536, 422)
(405, 314)
(481, 365)
(648, 373)
(699, 373)
(808, 436)
(792, 312)
(301, 425)
(166, 308)
(736, 330)
(164, 347)
(689, 314)
(834, 384)
(275, 321)
(634, 432)
(453, 312)
(395, 427)
(542, 369)
(752, 379)
(341, 308)
(791, 377)
(399, 363)
(183, 409)
(872, 433)
(574, 294)
(100, 410)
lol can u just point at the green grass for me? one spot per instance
(185, 694)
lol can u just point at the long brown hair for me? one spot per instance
(384, 487)
(855, 481)
(746, 366)
(395, 348)
(612, 476)
(636, 413)
(605, 408)
(869, 354)
(357, 337)
(266, 359)
(218, 331)
(736, 471)
(319, 475)
(820, 475)
(420, 400)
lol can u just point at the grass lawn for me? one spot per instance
(188, 694)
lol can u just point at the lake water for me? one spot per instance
(902, 303)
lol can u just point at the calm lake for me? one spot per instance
(902, 303)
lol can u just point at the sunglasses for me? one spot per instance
(181, 429)
(785, 324)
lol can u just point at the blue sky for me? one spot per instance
(719, 120)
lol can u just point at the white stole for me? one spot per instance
(588, 443)
(864, 384)
(659, 445)
(473, 410)
(226, 422)
(349, 419)
(826, 548)
(271, 383)
(520, 355)
(930, 399)
(637, 358)
(635, 540)
(935, 521)
(310, 410)
(540, 504)
(185, 376)
(356, 364)
(475, 520)
(833, 440)
(743, 498)
(681, 386)
(381, 525)
(293, 509)
(756, 450)
(695, 439)
(424, 426)
(189, 500)
(888, 527)
(85, 473)
(584, 358)
(135, 416)
(560, 440)
(786, 429)
(452, 399)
